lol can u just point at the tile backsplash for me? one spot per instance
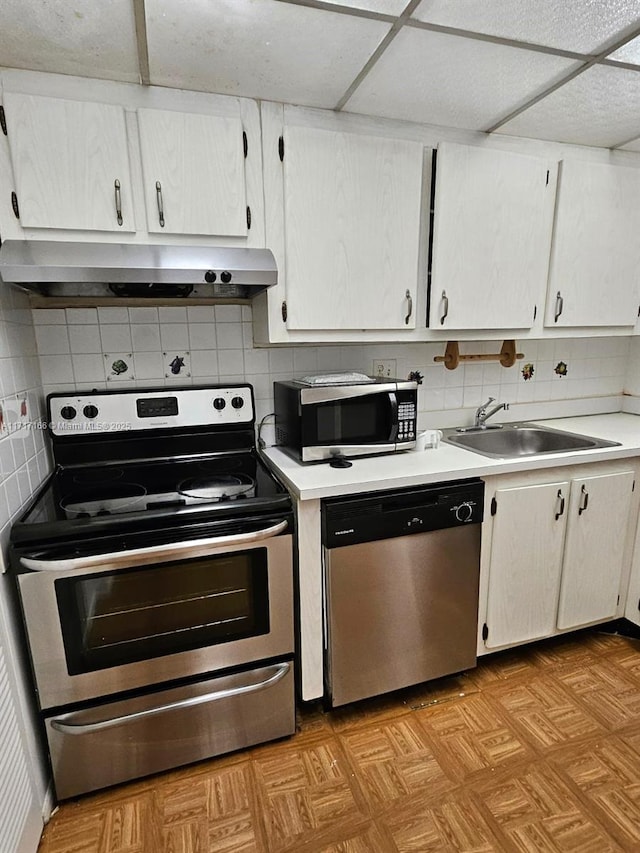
(24, 460)
(147, 346)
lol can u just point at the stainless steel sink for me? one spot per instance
(522, 439)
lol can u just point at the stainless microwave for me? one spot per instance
(319, 422)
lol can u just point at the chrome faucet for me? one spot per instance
(482, 415)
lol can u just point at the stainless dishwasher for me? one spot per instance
(401, 587)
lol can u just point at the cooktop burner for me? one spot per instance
(222, 488)
(106, 500)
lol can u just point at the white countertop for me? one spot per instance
(411, 468)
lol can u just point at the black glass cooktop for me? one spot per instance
(85, 499)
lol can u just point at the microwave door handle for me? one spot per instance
(393, 400)
(154, 553)
(66, 725)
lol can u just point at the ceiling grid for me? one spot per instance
(561, 70)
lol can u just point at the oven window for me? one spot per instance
(366, 419)
(119, 617)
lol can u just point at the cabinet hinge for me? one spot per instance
(284, 312)
(245, 144)
(547, 182)
(485, 631)
(248, 217)
(281, 148)
(14, 205)
(3, 120)
(494, 506)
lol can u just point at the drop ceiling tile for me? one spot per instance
(447, 80)
(83, 38)
(580, 25)
(629, 53)
(600, 107)
(271, 50)
(384, 7)
(632, 146)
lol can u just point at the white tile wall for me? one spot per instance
(24, 460)
(216, 346)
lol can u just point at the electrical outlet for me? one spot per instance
(384, 367)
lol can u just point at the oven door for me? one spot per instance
(113, 622)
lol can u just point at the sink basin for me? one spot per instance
(522, 439)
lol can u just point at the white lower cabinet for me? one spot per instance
(556, 552)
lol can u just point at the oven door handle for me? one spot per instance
(153, 554)
(67, 726)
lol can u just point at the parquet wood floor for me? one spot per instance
(536, 750)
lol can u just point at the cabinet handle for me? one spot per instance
(559, 306)
(160, 204)
(561, 508)
(584, 500)
(116, 185)
(407, 296)
(445, 307)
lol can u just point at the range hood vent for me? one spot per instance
(41, 264)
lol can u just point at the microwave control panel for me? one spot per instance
(406, 415)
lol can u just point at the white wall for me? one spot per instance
(78, 346)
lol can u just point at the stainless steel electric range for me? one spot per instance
(154, 573)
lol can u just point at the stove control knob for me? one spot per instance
(209, 276)
(68, 413)
(237, 402)
(90, 411)
(225, 277)
(219, 403)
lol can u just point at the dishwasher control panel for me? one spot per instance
(383, 515)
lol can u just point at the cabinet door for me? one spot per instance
(193, 169)
(67, 157)
(491, 238)
(594, 550)
(352, 220)
(526, 562)
(595, 256)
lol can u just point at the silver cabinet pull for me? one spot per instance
(160, 204)
(560, 510)
(584, 499)
(116, 185)
(154, 553)
(68, 726)
(559, 306)
(445, 307)
(407, 296)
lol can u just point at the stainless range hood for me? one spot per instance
(39, 263)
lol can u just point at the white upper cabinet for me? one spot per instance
(70, 163)
(352, 229)
(491, 238)
(193, 169)
(595, 257)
